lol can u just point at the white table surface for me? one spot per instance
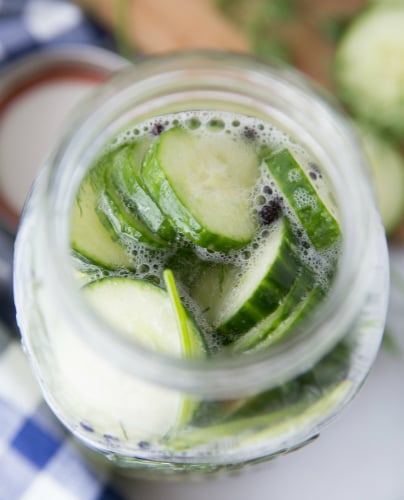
(360, 456)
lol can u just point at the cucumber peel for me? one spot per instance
(264, 336)
(237, 299)
(298, 403)
(276, 326)
(124, 229)
(88, 236)
(125, 186)
(298, 191)
(203, 185)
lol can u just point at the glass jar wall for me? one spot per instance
(141, 408)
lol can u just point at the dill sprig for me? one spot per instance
(179, 311)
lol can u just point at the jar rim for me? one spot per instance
(215, 376)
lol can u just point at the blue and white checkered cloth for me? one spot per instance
(28, 25)
(39, 460)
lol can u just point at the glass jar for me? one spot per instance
(119, 398)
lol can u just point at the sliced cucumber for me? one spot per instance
(263, 336)
(89, 237)
(237, 299)
(203, 184)
(271, 425)
(113, 220)
(311, 395)
(316, 218)
(369, 66)
(124, 185)
(143, 312)
(387, 168)
(146, 314)
(273, 327)
(328, 372)
(125, 228)
(121, 219)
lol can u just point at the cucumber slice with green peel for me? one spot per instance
(143, 312)
(313, 394)
(289, 326)
(203, 184)
(369, 66)
(302, 197)
(113, 221)
(88, 236)
(387, 169)
(329, 371)
(273, 327)
(265, 426)
(124, 228)
(125, 186)
(237, 299)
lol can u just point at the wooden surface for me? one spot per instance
(156, 26)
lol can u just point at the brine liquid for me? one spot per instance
(264, 138)
(115, 409)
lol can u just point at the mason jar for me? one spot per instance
(121, 398)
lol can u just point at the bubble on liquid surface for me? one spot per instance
(304, 199)
(267, 203)
(294, 175)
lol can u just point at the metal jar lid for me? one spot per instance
(37, 93)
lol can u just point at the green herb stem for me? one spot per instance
(179, 311)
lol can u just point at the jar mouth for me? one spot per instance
(195, 78)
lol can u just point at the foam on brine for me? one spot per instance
(266, 201)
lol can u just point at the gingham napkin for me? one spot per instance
(38, 458)
(27, 25)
